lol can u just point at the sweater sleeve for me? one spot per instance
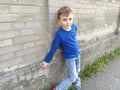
(75, 26)
(55, 44)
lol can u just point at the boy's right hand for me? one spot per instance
(44, 64)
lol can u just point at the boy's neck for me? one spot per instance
(66, 29)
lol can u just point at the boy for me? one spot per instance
(66, 38)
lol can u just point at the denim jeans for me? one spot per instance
(73, 75)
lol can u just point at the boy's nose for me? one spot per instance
(68, 21)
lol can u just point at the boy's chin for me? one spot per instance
(68, 28)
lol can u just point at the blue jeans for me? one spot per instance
(73, 75)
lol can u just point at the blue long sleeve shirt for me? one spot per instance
(67, 40)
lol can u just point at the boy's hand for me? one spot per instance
(44, 64)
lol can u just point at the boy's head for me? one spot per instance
(65, 10)
(65, 17)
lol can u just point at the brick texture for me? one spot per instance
(27, 28)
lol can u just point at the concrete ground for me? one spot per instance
(106, 80)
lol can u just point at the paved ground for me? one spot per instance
(107, 80)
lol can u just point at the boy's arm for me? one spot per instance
(55, 44)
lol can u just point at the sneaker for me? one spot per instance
(53, 88)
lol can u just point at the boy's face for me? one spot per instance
(66, 21)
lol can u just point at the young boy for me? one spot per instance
(66, 38)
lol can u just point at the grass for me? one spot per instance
(98, 65)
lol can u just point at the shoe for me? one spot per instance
(53, 88)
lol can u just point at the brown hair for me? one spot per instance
(64, 10)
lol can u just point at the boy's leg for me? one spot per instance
(72, 75)
(77, 83)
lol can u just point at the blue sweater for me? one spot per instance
(67, 40)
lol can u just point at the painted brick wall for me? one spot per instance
(26, 31)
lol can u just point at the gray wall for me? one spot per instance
(26, 31)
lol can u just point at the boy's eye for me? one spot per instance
(64, 19)
(70, 19)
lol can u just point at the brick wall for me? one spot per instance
(22, 33)
(27, 29)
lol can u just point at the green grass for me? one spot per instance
(98, 65)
